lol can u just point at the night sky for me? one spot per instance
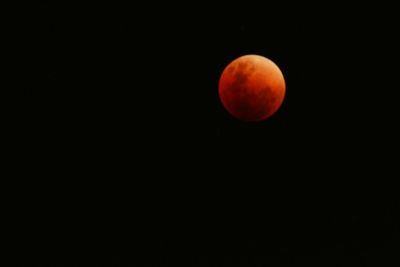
(138, 163)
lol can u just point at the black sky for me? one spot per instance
(140, 165)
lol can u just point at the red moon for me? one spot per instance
(252, 88)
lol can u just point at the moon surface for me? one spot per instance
(252, 88)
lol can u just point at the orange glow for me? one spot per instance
(252, 88)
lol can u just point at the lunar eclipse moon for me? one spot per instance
(252, 88)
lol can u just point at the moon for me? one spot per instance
(252, 88)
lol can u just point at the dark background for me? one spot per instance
(127, 158)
